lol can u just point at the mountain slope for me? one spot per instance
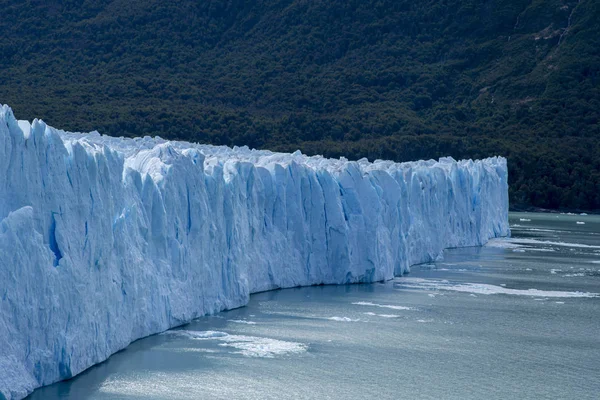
(377, 79)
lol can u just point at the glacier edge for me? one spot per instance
(106, 240)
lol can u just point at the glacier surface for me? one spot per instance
(105, 240)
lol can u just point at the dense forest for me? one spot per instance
(391, 79)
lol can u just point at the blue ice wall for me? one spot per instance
(106, 240)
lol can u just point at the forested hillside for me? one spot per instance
(367, 78)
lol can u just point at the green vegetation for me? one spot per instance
(391, 79)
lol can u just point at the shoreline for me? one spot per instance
(532, 209)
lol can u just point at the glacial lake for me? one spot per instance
(518, 318)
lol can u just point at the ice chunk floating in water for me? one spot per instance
(249, 346)
(106, 240)
(366, 303)
(512, 243)
(343, 319)
(482, 288)
(242, 321)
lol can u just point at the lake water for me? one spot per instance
(519, 318)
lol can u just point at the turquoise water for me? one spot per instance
(518, 318)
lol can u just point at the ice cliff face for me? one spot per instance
(106, 240)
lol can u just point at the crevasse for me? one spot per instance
(106, 240)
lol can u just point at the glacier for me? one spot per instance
(106, 240)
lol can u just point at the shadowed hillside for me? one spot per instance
(379, 79)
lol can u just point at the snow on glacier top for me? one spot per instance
(134, 148)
